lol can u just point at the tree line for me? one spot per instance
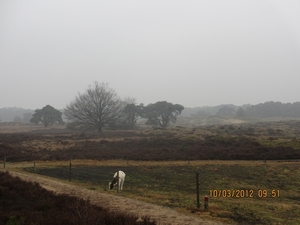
(123, 114)
(100, 107)
(263, 110)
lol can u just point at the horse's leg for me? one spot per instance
(123, 180)
(121, 185)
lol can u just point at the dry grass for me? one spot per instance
(20, 128)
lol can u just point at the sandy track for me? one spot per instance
(162, 215)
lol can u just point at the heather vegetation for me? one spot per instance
(253, 141)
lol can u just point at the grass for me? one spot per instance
(172, 184)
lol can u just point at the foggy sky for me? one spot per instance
(194, 53)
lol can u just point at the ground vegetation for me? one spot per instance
(256, 141)
(249, 192)
(274, 145)
(25, 203)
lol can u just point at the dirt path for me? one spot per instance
(162, 215)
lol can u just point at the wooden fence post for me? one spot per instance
(4, 162)
(206, 203)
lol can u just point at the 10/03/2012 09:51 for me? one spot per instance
(244, 193)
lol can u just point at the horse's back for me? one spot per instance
(121, 174)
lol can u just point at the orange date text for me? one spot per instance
(244, 193)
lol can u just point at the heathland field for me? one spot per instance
(252, 192)
(250, 172)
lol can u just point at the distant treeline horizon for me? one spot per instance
(262, 110)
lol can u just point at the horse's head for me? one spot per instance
(112, 183)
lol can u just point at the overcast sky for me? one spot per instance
(194, 53)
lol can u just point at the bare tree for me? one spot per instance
(96, 108)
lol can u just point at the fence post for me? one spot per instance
(206, 203)
(118, 181)
(4, 161)
(197, 188)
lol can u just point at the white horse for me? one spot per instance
(115, 180)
